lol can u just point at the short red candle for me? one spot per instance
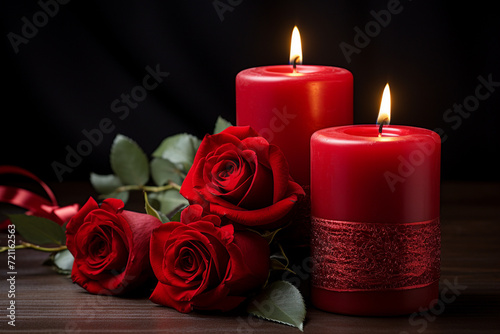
(287, 107)
(359, 176)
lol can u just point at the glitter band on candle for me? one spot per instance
(353, 256)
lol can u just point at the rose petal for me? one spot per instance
(189, 264)
(268, 217)
(162, 295)
(206, 267)
(76, 221)
(217, 299)
(191, 213)
(110, 246)
(281, 175)
(241, 132)
(260, 192)
(229, 182)
(158, 247)
(249, 263)
(112, 205)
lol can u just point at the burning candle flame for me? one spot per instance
(295, 48)
(384, 114)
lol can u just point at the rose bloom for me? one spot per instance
(202, 266)
(238, 175)
(110, 246)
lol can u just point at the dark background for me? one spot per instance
(86, 54)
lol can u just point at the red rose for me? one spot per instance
(110, 246)
(200, 265)
(237, 174)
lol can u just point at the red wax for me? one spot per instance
(287, 107)
(359, 176)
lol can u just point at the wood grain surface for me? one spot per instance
(470, 286)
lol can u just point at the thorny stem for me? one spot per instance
(169, 186)
(36, 247)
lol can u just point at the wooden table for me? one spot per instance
(470, 286)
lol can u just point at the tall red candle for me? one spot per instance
(375, 219)
(287, 105)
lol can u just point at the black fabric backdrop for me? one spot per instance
(69, 65)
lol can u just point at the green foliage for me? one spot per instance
(169, 165)
(132, 171)
(168, 202)
(163, 171)
(129, 162)
(152, 211)
(63, 262)
(108, 185)
(38, 230)
(221, 124)
(160, 180)
(280, 302)
(178, 149)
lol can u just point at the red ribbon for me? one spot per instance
(35, 204)
(355, 256)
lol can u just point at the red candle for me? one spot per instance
(375, 219)
(287, 103)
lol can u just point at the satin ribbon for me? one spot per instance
(357, 256)
(35, 204)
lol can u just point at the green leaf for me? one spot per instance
(221, 124)
(123, 195)
(176, 216)
(169, 201)
(149, 209)
(129, 162)
(38, 230)
(178, 149)
(163, 170)
(152, 212)
(279, 261)
(105, 184)
(63, 261)
(280, 302)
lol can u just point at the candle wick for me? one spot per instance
(295, 60)
(381, 126)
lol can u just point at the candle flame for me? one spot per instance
(296, 47)
(384, 114)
